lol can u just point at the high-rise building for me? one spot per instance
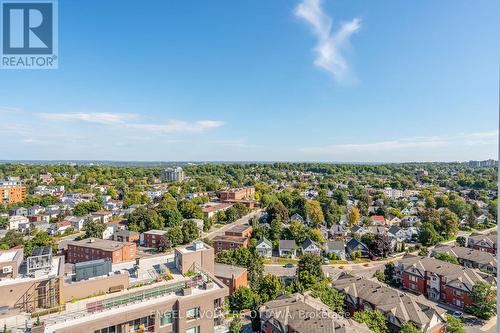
(175, 174)
(11, 191)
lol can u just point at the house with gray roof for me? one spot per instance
(471, 258)
(335, 247)
(287, 248)
(311, 247)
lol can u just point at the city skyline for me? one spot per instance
(309, 80)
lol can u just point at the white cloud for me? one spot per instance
(330, 44)
(179, 126)
(414, 143)
(91, 117)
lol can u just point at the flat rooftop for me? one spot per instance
(100, 244)
(57, 269)
(228, 271)
(239, 228)
(193, 247)
(7, 256)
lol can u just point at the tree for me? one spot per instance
(446, 257)
(175, 236)
(145, 219)
(277, 211)
(135, 198)
(251, 260)
(448, 223)
(171, 216)
(309, 269)
(409, 327)
(190, 231)
(236, 326)
(94, 229)
(84, 208)
(454, 325)
(314, 212)
(276, 229)
(389, 272)
(243, 298)
(270, 287)
(381, 245)
(427, 235)
(353, 216)
(461, 241)
(328, 295)
(298, 232)
(374, 319)
(483, 300)
(190, 210)
(231, 215)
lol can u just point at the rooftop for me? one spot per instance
(101, 244)
(228, 271)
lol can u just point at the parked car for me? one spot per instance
(289, 265)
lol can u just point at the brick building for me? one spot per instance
(154, 238)
(236, 237)
(237, 194)
(439, 280)
(232, 276)
(96, 248)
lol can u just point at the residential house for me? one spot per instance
(409, 221)
(377, 220)
(226, 242)
(398, 307)
(287, 248)
(393, 220)
(335, 247)
(18, 211)
(77, 222)
(310, 247)
(296, 217)
(337, 231)
(60, 227)
(353, 245)
(468, 257)
(18, 222)
(264, 247)
(34, 210)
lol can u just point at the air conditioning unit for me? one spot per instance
(7, 269)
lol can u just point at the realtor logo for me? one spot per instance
(29, 34)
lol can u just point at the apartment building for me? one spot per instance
(191, 303)
(11, 191)
(304, 314)
(175, 174)
(154, 238)
(398, 307)
(237, 194)
(235, 237)
(96, 248)
(439, 280)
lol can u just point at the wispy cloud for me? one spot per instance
(330, 44)
(480, 138)
(90, 117)
(129, 121)
(179, 126)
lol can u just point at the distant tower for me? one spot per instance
(175, 174)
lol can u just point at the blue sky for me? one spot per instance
(331, 80)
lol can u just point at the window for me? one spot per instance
(192, 314)
(413, 278)
(166, 318)
(195, 329)
(457, 292)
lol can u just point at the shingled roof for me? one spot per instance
(305, 314)
(404, 307)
